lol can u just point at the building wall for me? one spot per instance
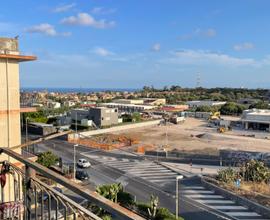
(10, 134)
(103, 116)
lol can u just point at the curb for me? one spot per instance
(264, 211)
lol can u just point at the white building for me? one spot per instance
(256, 119)
(128, 108)
(195, 104)
(54, 105)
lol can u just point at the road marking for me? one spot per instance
(198, 191)
(193, 187)
(228, 207)
(251, 214)
(215, 201)
(205, 196)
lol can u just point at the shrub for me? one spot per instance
(255, 171)
(47, 159)
(227, 175)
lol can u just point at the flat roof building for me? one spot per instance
(195, 104)
(256, 119)
(128, 108)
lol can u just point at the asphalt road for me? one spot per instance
(101, 174)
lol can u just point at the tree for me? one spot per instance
(260, 105)
(136, 117)
(110, 191)
(47, 159)
(231, 108)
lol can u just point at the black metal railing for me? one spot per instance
(33, 198)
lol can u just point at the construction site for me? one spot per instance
(191, 136)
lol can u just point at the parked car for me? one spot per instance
(83, 163)
(81, 175)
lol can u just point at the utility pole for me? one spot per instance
(74, 160)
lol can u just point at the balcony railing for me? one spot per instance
(32, 198)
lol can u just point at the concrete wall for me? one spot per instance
(118, 128)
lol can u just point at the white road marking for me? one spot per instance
(251, 214)
(228, 207)
(198, 191)
(205, 196)
(215, 201)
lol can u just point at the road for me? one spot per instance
(142, 177)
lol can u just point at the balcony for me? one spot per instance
(33, 198)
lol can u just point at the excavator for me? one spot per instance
(214, 119)
(223, 129)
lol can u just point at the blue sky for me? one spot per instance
(132, 43)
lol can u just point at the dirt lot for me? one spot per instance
(184, 137)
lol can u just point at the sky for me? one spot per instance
(133, 43)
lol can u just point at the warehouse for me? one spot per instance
(256, 119)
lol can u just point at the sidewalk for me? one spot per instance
(193, 170)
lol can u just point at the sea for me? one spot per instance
(76, 90)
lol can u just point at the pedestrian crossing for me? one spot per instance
(160, 175)
(207, 197)
(146, 170)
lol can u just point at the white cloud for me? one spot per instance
(102, 52)
(102, 10)
(156, 47)
(243, 46)
(201, 57)
(84, 19)
(64, 8)
(46, 29)
(209, 33)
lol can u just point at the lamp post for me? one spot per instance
(74, 160)
(176, 195)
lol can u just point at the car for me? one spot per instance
(83, 163)
(81, 175)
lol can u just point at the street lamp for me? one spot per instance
(176, 195)
(74, 160)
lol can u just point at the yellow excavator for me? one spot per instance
(223, 129)
(214, 116)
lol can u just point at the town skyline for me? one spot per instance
(96, 45)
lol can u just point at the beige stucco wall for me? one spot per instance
(9, 100)
(10, 133)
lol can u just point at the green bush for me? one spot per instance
(255, 171)
(125, 199)
(47, 159)
(143, 208)
(227, 175)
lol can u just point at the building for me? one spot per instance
(154, 101)
(41, 128)
(129, 101)
(128, 108)
(10, 57)
(256, 119)
(54, 105)
(10, 128)
(195, 104)
(143, 101)
(102, 116)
